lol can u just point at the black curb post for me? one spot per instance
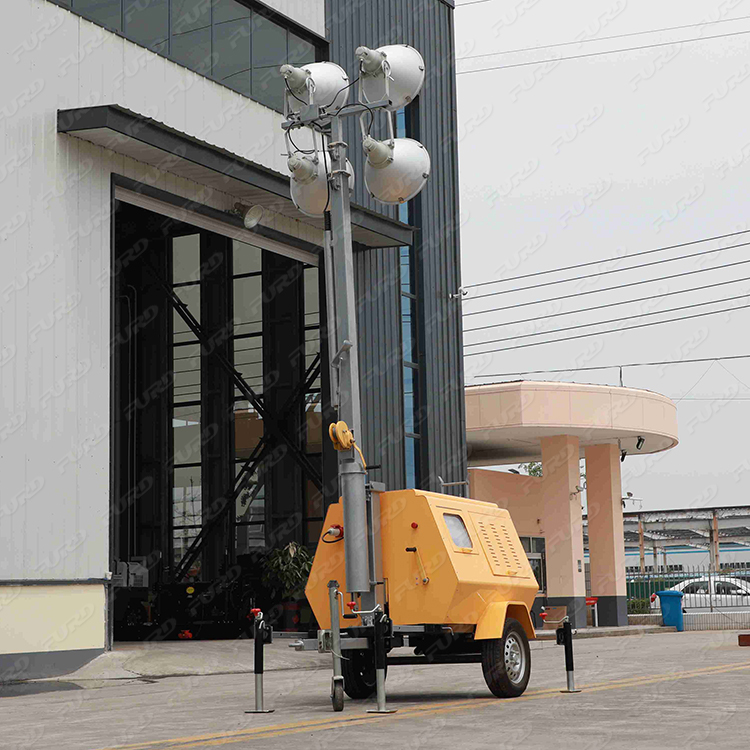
(262, 633)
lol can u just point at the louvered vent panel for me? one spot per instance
(498, 546)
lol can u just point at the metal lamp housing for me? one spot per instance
(324, 84)
(404, 67)
(310, 192)
(399, 177)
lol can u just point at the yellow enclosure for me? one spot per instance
(445, 560)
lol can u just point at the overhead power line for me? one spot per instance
(604, 52)
(599, 38)
(605, 260)
(606, 322)
(614, 330)
(607, 272)
(615, 367)
(605, 289)
(609, 304)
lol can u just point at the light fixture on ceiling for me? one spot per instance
(250, 215)
(639, 443)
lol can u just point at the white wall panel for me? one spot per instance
(308, 13)
(55, 265)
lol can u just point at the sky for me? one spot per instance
(594, 158)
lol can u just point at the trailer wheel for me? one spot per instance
(337, 695)
(506, 661)
(358, 668)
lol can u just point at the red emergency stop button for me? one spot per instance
(414, 525)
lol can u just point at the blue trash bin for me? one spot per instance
(671, 608)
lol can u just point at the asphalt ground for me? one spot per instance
(666, 690)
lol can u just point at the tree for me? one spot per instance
(532, 468)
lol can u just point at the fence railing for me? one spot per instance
(703, 589)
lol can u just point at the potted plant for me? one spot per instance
(285, 573)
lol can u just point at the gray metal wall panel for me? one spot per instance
(428, 26)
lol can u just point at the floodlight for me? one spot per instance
(639, 443)
(395, 170)
(251, 215)
(309, 184)
(394, 72)
(324, 84)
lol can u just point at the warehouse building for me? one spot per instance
(164, 368)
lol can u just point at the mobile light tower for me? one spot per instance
(321, 178)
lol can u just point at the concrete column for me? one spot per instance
(606, 538)
(563, 526)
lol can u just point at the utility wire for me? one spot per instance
(606, 273)
(605, 289)
(611, 320)
(609, 304)
(615, 367)
(605, 260)
(602, 38)
(604, 52)
(614, 330)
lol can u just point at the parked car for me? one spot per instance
(717, 592)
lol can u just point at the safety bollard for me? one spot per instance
(262, 634)
(565, 637)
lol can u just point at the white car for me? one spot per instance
(711, 592)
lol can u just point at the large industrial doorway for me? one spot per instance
(216, 422)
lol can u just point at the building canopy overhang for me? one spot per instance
(505, 422)
(154, 143)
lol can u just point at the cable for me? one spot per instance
(611, 320)
(335, 96)
(606, 273)
(605, 52)
(288, 88)
(604, 260)
(603, 38)
(615, 367)
(616, 330)
(609, 304)
(696, 382)
(606, 289)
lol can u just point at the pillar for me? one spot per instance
(606, 536)
(563, 526)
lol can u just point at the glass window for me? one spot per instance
(231, 65)
(106, 12)
(245, 258)
(698, 587)
(299, 52)
(411, 401)
(230, 10)
(147, 23)
(411, 461)
(407, 273)
(190, 15)
(458, 531)
(408, 329)
(193, 49)
(268, 87)
(186, 426)
(269, 43)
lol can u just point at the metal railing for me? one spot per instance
(704, 589)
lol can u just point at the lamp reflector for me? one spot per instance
(398, 174)
(404, 68)
(309, 183)
(323, 84)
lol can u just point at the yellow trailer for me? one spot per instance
(453, 583)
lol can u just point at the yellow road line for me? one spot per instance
(278, 730)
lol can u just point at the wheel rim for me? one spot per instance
(515, 658)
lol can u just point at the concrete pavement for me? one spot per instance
(666, 690)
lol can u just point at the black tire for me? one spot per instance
(506, 661)
(337, 696)
(358, 668)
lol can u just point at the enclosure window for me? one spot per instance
(458, 531)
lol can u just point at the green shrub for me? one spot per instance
(639, 607)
